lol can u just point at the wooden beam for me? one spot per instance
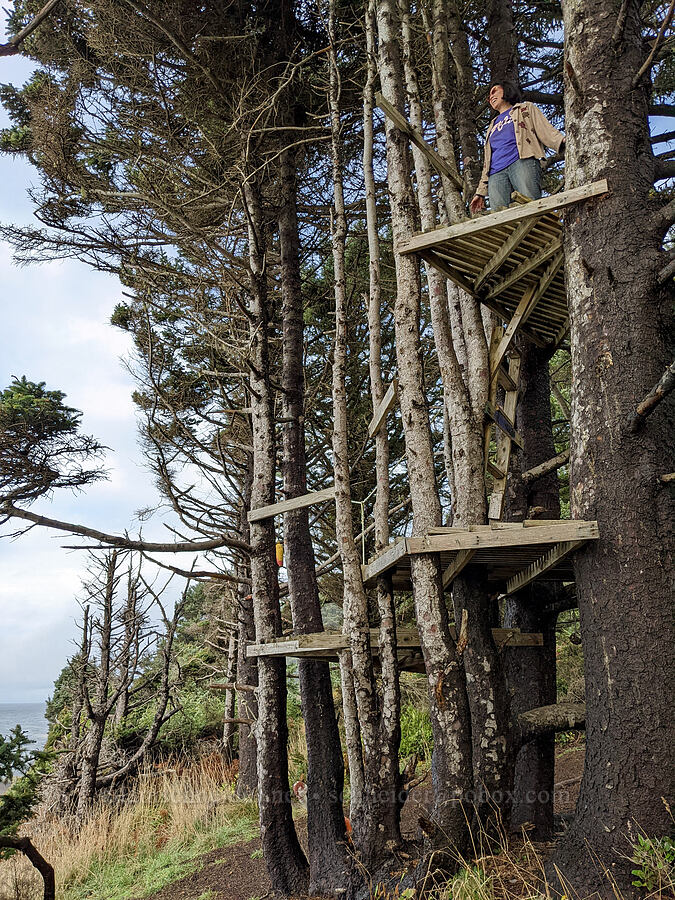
(529, 264)
(520, 316)
(569, 530)
(534, 208)
(497, 415)
(434, 157)
(276, 509)
(330, 644)
(516, 237)
(537, 568)
(460, 562)
(384, 561)
(380, 414)
(503, 457)
(436, 260)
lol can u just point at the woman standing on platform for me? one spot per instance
(514, 146)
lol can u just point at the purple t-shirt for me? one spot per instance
(503, 143)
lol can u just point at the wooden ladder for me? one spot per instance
(500, 419)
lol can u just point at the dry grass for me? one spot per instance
(181, 811)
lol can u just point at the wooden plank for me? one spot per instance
(451, 274)
(328, 646)
(516, 237)
(380, 414)
(532, 209)
(505, 316)
(493, 470)
(519, 317)
(528, 265)
(460, 562)
(570, 530)
(496, 506)
(505, 380)
(496, 414)
(434, 157)
(546, 562)
(275, 509)
(384, 561)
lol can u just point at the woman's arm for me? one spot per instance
(547, 134)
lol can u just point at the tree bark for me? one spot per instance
(285, 859)
(447, 694)
(619, 317)
(325, 766)
(531, 671)
(247, 669)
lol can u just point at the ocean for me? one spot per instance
(30, 716)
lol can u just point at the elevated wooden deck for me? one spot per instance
(507, 256)
(514, 554)
(327, 645)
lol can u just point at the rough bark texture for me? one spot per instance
(377, 811)
(285, 860)
(620, 318)
(448, 704)
(325, 767)
(502, 43)
(247, 669)
(531, 671)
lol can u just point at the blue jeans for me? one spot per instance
(523, 175)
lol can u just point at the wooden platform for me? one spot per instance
(505, 256)
(514, 554)
(327, 645)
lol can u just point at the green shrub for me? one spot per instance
(654, 860)
(416, 735)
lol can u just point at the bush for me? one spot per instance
(654, 860)
(416, 735)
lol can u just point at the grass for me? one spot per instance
(132, 849)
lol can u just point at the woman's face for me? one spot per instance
(496, 96)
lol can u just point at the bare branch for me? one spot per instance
(13, 46)
(24, 845)
(658, 393)
(126, 543)
(659, 39)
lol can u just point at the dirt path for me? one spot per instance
(239, 873)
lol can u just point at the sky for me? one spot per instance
(54, 327)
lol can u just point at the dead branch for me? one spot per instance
(658, 393)
(550, 719)
(13, 46)
(551, 465)
(126, 543)
(24, 845)
(646, 66)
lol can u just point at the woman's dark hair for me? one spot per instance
(511, 91)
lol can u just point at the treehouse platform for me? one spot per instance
(328, 646)
(511, 261)
(512, 554)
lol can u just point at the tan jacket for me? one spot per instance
(534, 132)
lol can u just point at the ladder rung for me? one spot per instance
(497, 415)
(494, 470)
(505, 380)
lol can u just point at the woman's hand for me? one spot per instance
(477, 203)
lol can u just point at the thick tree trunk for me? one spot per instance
(620, 317)
(325, 767)
(285, 860)
(90, 755)
(531, 671)
(447, 694)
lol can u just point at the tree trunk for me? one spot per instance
(619, 322)
(325, 766)
(247, 669)
(447, 694)
(531, 671)
(285, 860)
(229, 728)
